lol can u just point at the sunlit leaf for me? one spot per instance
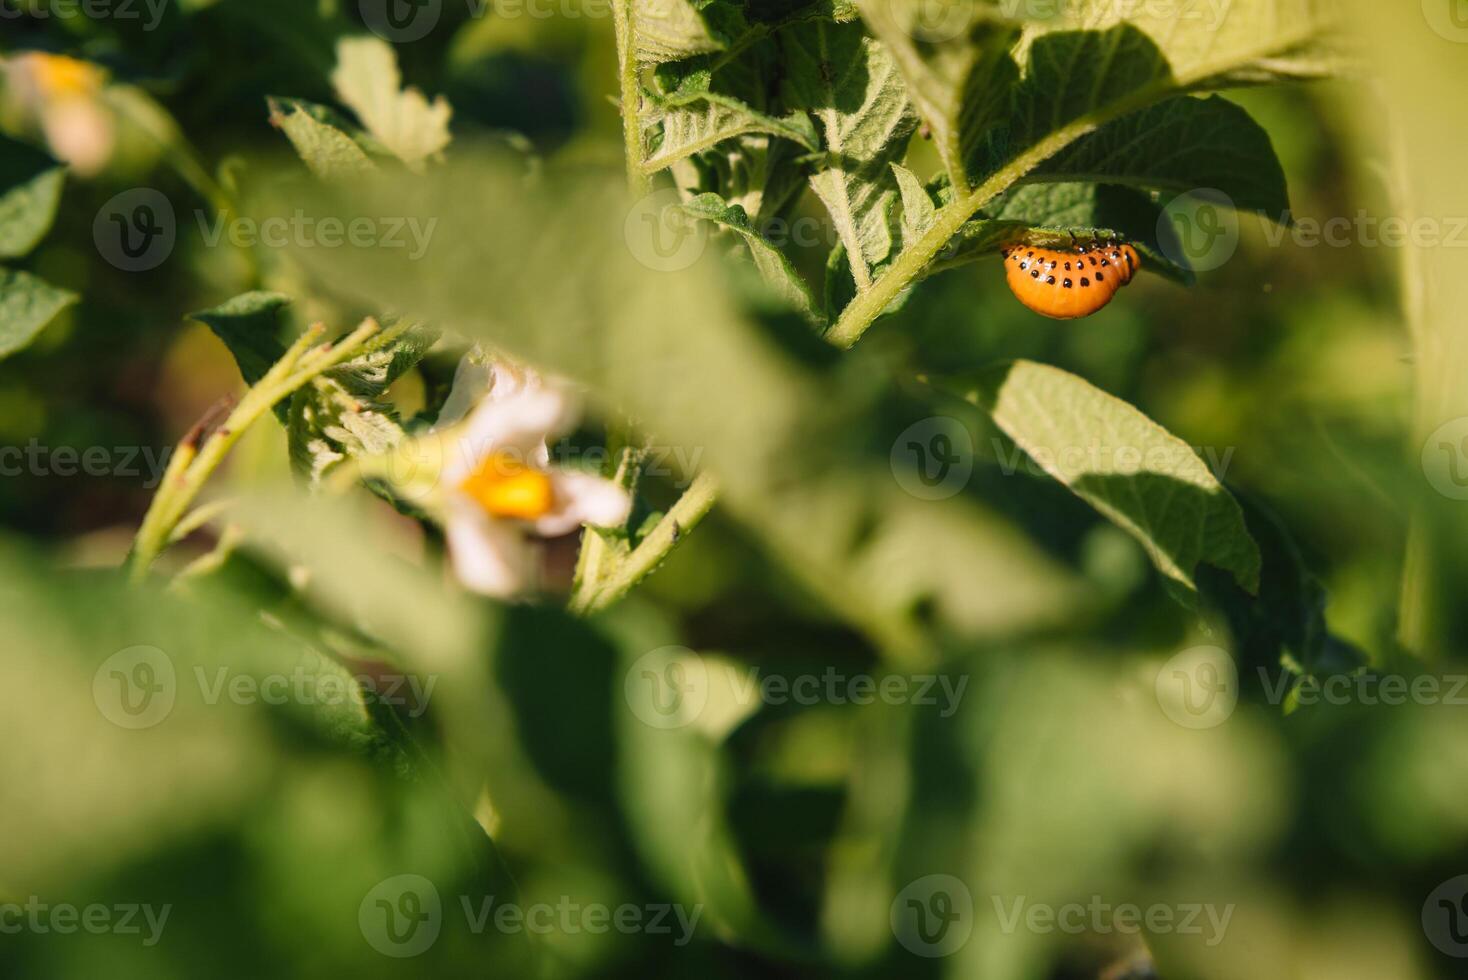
(1128, 467)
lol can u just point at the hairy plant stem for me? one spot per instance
(914, 260)
(596, 552)
(631, 94)
(204, 448)
(620, 578)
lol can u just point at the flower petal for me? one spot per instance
(516, 425)
(582, 498)
(490, 557)
(472, 379)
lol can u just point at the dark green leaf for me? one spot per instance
(1183, 144)
(30, 190)
(27, 304)
(773, 266)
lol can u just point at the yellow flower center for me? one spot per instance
(506, 487)
(60, 76)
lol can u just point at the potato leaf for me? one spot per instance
(30, 190)
(1143, 478)
(773, 266)
(27, 305)
(851, 85)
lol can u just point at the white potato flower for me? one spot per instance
(62, 97)
(499, 493)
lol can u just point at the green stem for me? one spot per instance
(691, 508)
(631, 94)
(596, 553)
(863, 311)
(198, 456)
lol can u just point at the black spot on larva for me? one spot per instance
(1066, 284)
(1085, 281)
(1067, 267)
(1024, 265)
(1035, 274)
(1100, 277)
(1104, 262)
(1093, 261)
(1032, 253)
(1050, 281)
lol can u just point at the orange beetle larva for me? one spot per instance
(1068, 283)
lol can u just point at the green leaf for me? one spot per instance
(1242, 42)
(30, 190)
(917, 206)
(403, 120)
(326, 149)
(1285, 623)
(1059, 215)
(670, 30)
(762, 174)
(250, 326)
(27, 304)
(1180, 145)
(340, 414)
(1136, 473)
(958, 84)
(702, 111)
(327, 424)
(773, 266)
(851, 85)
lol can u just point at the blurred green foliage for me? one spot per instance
(275, 817)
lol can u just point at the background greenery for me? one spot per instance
(1317, 372)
